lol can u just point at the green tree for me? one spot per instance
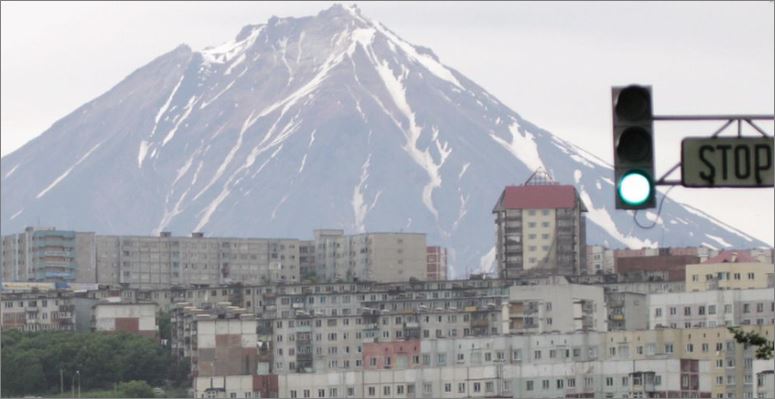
(764, 347)
(135, 389)
(165, 326)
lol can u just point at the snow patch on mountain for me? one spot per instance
(66, 172)
(522, 146)
(11, 171)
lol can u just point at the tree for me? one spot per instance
(764, 348)
(165, 327)
(135, 389)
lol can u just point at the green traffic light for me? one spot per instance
(635, 188)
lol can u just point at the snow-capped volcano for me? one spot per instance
(302, 123)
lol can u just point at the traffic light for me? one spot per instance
(633, 147)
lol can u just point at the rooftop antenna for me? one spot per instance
(540, 177)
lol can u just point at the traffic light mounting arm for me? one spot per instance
(730, 119)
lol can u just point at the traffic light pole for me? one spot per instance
(730, 119)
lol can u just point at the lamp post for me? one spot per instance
(72, 384)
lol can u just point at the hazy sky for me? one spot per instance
(551, 62)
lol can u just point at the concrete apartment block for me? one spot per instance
(437, 263)
(540, 228)
(627, 311)
(559, 307)
(133, 318)
(686, 378)
(599, 260)
(31, 311)
(712, 308)
(47, 254)
(379, 257)
(729, 270)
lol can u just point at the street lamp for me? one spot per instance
(72, 384)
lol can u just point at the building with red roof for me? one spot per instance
(540, 228)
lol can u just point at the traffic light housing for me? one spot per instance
(633, 128)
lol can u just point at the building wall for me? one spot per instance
(543, 308)
(136, 318)
(599, 260)
(627, 311)
(437, 263)
(712, 308)
(37, 311)
(744, 275)
(507, 380)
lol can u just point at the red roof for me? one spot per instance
(732, 257)
(538, 197)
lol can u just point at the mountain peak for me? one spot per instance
(304, 123)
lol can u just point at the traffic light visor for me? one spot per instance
(635, 188)
(633, 103)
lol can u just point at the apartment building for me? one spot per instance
(729, 270)
(599, 260)
(47, 254)
(133, 318)
(370, 256)
(558, 306)
(540, 227)
(627, 311)
(227, 358)
(764, 375)
(32, 311)
(712, 308)
(437, 263)
(164, 261)
(149, 262)
(600, 379)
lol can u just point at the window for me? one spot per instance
(399, 389)
(746, 308)
(687, 310)
(461, 387)
(529, 386)
(321, 393)
(545, 384)
(293, 394)
(441, 359)
(658, 312)
(372, 391)
(489, 386)
(306, 393)
(750, 276)
(350, 391)
(672, 310)
(711, 309)
(477, 387)
(427, 387)
(447, 387)
(560, 383)
(668, 348)
(759, 308)
(537, 354)
(571, 382)
(609, 381)
(386, 390)
(690, 347)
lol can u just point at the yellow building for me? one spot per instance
(731, 364)
(729, 270)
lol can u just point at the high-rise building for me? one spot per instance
(437, 263)
(47, 254)
(540, 227)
